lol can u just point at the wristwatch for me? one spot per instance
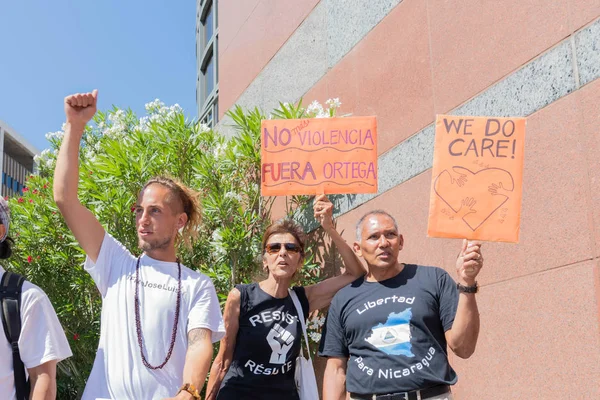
(467, 289)
(191, 389)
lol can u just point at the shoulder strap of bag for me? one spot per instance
(302, 319)
(11, 286)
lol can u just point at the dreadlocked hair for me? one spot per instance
(190, 202)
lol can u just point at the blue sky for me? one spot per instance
(132, 51)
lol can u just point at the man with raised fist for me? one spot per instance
(159, 318)
(387, 333)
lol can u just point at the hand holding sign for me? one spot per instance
(323, 209)
(469, 262)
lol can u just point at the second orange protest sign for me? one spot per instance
(321, 155)
(477, 177)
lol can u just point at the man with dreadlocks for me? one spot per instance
(159, 318)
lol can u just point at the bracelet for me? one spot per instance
(467, 289)
(191, 389)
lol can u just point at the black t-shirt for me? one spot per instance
(266, 348)
(392, 332)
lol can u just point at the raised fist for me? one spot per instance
(81, 107)
(281, 342)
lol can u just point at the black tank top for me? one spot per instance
(266, 348)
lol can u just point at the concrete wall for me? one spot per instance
(406, 61)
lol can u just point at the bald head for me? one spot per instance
(361, 221)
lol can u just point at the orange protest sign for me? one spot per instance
(477, 176)
(319, 155)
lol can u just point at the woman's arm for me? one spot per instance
(231, 318)
(319, 295)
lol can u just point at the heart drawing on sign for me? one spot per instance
(474, 196)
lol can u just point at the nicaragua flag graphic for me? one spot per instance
(393, 337)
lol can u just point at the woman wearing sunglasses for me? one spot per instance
(257, 356)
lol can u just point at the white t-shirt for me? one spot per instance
(42, 338)
(118, 371)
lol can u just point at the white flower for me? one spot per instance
(232, 195)
(315, 336)
(315, 108)
(334, 103)
(114, 131)
(47, 157)
(55, 135)
(118, 125)
(144, 124)
(216, 235)
(217, 243)
(154, 106)
(316, 323)
(203, 128)
(117, 117)
(158, 113)
(219, 150)
(90, 154)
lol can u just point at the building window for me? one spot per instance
(207, 84)
(209, 26)
(209, 76)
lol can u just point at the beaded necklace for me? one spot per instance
(138, 324)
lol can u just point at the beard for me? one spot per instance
(156, 244)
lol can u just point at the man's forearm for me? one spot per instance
(66, 173)
(195, 370)
(465, 329)
(334, 384)
(197, 359)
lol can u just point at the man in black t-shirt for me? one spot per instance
(387, 333)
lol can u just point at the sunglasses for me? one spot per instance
(274, 248)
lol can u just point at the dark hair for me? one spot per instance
(285, 226)
(359, 224)
(190, 202)
(6, 248)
